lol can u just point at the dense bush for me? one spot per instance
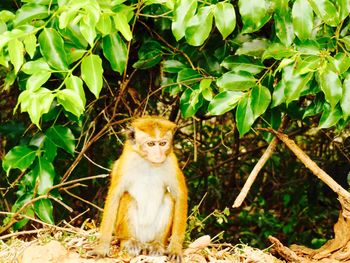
(73, 72)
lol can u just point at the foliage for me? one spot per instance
(78, 68)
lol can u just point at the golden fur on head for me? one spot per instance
(149, 125)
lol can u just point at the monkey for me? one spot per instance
(146, 203)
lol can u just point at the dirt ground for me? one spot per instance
(62, 248)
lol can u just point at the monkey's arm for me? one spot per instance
(110, 212)
(180, 217)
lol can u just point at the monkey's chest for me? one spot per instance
(149, 197)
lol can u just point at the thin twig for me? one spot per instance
(254, 173)
(83, 200)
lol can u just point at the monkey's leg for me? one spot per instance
(163, 229)
(123, 225)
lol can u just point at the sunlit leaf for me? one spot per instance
(29, 12)
(16, 53)
(242, 63)
(91, 73)
(30, 44)
(330, 116)
(283, 23)
(36, 103)
(36, 80)
(236, 81)
(121, 23)
(52, 49)
(199, 26)
(225, 18)
(184, 10)
(224, 102)
(325, 10)
(303, 19)
(72, 98)
(331, 86)
(254, 14)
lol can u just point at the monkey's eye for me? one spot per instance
(151, 144)
(162, 143)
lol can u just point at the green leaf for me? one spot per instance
(104, 25)
(32, 67)
(72, 34)
(88, 31)
(188, 76)
(35, 81)
(52, 48)
(254, 14)
(36, 103)
(20, 157)
(45, 174)
(50, 149)
(307, 64)
(260, 100)
(325, 10)
(44, 210)
(331, 86)
(315, 107)
(244, 115)
(344, 8)
(16, 53)
(30, 44)
(184, 10)
(62, 137)
(191, 100)
(29, 12)
(236, 81)
(173, 66)
(278, 52)
(254, 48)
(242, 63)
(91, 73)
(345, 100)
(330, 116)
(340, 63)
(150, 54)
(73, 97)
(294, 83)
(121, 23)
(224, 102)
(204, 87)
(116, 51)
(225, 18)
(199, 26)
(278, 96)
(303, 19)
(283, 24)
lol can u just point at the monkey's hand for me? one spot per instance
(102, 250)
(175, 252)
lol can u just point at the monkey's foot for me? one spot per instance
(132, 247)
(100, 251)
(155, 250)
(174, 252)
(175, 258)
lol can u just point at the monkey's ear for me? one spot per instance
(130, 134)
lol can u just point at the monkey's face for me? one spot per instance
(154, 149)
